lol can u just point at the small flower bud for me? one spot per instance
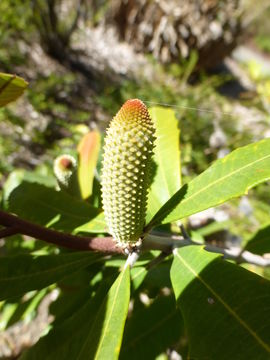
(65, 170)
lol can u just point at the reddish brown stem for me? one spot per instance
(102, 244)
(9, 231)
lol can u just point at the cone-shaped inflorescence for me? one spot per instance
(126, 171)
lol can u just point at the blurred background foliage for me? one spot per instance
(209, 60)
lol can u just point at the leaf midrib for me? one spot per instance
(109, 318)
(211, 184)
(107, 324)
(227, 307)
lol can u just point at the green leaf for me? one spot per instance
(154, 278)
(88, 150)
(96, 225)
(138, 274)
(227, 178)
(260, 242)
(110, 321)
(17, 176)
(57, 343)
(167, 208)
(8, 309)
(51, 208)
(152, 330)
(26, 307)
(69, 301)
(11, 87)
(167, 179)
(223, 306)
(22, 273)
(159, 276)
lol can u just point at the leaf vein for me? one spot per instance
(227, 307)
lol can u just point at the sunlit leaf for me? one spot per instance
(223, 306)
(167, 177)
(88, 150)
(51, 208)
(19, 175)
(138, 273)
(227, 178)
(95, 225)
(26, 308)
(11, 87)
(110, 320)
(57, 344)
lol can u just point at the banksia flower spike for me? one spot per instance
(128, 151)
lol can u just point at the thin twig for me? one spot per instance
(234, 253)
(240, 256)
(184, 232)
(165, 243)
(237, 254)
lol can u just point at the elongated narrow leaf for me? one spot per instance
(225, 307)
(88, 150)
(152, 330)
(227, 178)
(22, 273)
(138, 273)
(69, 302)
(67, 337)
(11, 87)
(52, 208)
(19, 175)
(25, 308)
(260, 242)
(167, 177)
(110, 321)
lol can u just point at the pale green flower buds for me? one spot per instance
(126, 172)
(65, 170)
